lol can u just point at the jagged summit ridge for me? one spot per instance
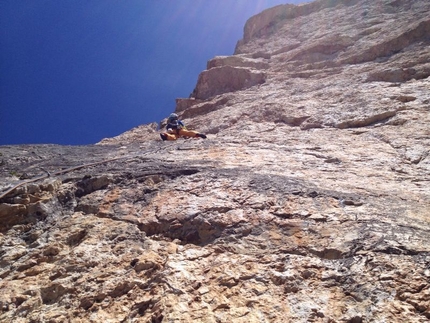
(308, 202)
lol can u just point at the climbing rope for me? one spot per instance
(68, 170)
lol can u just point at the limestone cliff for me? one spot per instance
(308, 202)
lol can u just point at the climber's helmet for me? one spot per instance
(173, 116)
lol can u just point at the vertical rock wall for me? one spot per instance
(308, 202)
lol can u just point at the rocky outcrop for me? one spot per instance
(320, 45)
(396, 75)
(224, 79)
(237, 61)
(183, 104)
(308, 202)
(267, 22)
(225, 74)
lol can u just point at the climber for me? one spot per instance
(176, 129)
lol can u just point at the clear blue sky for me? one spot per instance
(76, 71)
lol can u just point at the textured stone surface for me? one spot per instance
(308, 202)
(224, 79)
(237, 61)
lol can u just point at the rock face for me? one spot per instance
(308, 202)
(223, 79)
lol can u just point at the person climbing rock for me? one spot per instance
(176, 129)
